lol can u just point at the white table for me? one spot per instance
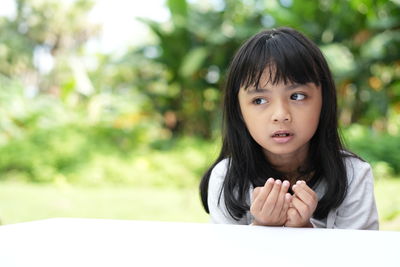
(96, 242)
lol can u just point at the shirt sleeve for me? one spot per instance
(358, 210)
(216, 204)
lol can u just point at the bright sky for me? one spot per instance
(120, 28)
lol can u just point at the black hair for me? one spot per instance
(290, 57)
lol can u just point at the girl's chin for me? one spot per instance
(285, 150)
(279, 152)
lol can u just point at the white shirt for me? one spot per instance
(357, 211)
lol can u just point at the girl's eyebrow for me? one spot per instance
(257, 91)
(266, 90)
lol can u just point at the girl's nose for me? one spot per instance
(281, 114)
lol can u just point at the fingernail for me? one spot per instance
(298, 182)
(270, 180)
(294, 187)
(278, 182)
(286, 183)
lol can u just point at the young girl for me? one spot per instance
(282, 162)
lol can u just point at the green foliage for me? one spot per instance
(46, 140)
(43, 155)
(380, 149)
(359, 38)
(191, 53)
(194, 49)
(123, 121)
(179, 166)
(102, 154)
(50, 29)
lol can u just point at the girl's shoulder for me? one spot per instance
(217, 176)
(352, 160)
(219, 170)
(356, 168)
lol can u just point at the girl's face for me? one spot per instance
(281, 118)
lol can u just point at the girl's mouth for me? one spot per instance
(282, 137)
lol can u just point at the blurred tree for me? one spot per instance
(181, 74)
(41, 43)
(175, 81)
(359, 38)
(191, 57)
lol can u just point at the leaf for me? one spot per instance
(339, 57)
(153, 25)
(193, 61)
(177, 7)
(381, 45)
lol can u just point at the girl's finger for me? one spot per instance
(291, 197)
(256, 191)
(302, 208)
(306, 187)
(262, 195)
(303, 194)
(270, 202)
(281, 199)
(293, 217)
(286, 204)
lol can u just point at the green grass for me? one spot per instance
(27, 202)
(388, 202)
(20, 202)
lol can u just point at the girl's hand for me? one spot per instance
(303, 204)
(270, 203)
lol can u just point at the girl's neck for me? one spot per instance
(289, 164)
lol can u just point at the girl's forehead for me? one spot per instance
(280, 87)
(268, 78)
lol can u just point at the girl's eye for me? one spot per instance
(259, 101)
(298, 96)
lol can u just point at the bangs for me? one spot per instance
(283, 57)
